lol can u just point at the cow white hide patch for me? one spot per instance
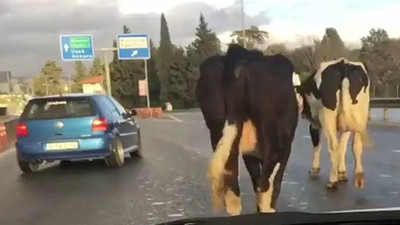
(216, 168)
(265, 198)
(233, 203)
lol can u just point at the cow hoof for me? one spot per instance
(268, 210)
(342, 176)
(332, 185)
(359, 181)
(314, 171)
(233, 203)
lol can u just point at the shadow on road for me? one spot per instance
(88, 170)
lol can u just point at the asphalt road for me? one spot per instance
(170, 183)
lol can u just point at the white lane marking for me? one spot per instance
(6, 152)
(130, 148)
(158, 203)
(174, 121)
(306, 136)
(385, 176)
(174, 118)
(127, 134)
(367, 210)
(396, 151)
(175, 215)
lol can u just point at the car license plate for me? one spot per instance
(62, 146)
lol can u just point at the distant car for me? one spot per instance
(73, 127)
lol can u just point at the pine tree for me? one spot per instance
(80, 74)
(176, 81)
(154, 81)
(206, 43)
(192, 75)
(97, 68)
(164, 56)
(49, 80)
(331, 46)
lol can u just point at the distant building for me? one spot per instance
(5, 82)
(93, 85)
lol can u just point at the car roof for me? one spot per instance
(74, 95)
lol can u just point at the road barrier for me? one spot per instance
(393, 103)
(386, 104)
(3, 138)
(8, 125)
(147, 113)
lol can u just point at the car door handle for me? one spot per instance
(59, 134)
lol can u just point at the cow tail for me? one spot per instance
(366, 140)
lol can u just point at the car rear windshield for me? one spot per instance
(56, 108)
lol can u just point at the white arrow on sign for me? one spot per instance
(135, 52)
(66, 47)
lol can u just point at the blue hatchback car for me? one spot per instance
(75, 126)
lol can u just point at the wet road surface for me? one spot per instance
(170, 183)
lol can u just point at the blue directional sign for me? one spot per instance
(76, 47)
(133, 46)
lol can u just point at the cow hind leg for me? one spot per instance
(216, 169)
(232, 195)
(342, 174)
(269, 170)
(315, 134)
(266, 187)
(279, 175)
(359, 181)
(329, 126)
(253, 166)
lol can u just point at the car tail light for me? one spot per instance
(99, 125)
(22, 130)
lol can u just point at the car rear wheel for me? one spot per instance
(139, 152)
(117, 157)
(27, 167)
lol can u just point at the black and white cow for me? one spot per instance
(336, 99)
(249, 105)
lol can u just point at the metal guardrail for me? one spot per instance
(385, 104)
(393, 103)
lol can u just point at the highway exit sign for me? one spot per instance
(76, 47)
(133, 46)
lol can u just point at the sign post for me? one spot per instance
(135, 47)
(76, 47)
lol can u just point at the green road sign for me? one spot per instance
(80, 42)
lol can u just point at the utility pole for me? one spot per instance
(243, 29)
(107, 67)
(69, 83)
(47, 86)
(147, 83)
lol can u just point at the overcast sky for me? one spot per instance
(30, 29)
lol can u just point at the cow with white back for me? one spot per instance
(249, 106)
(336, 99)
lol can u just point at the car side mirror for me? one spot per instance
(126, 115)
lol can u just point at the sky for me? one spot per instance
(30, 29)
